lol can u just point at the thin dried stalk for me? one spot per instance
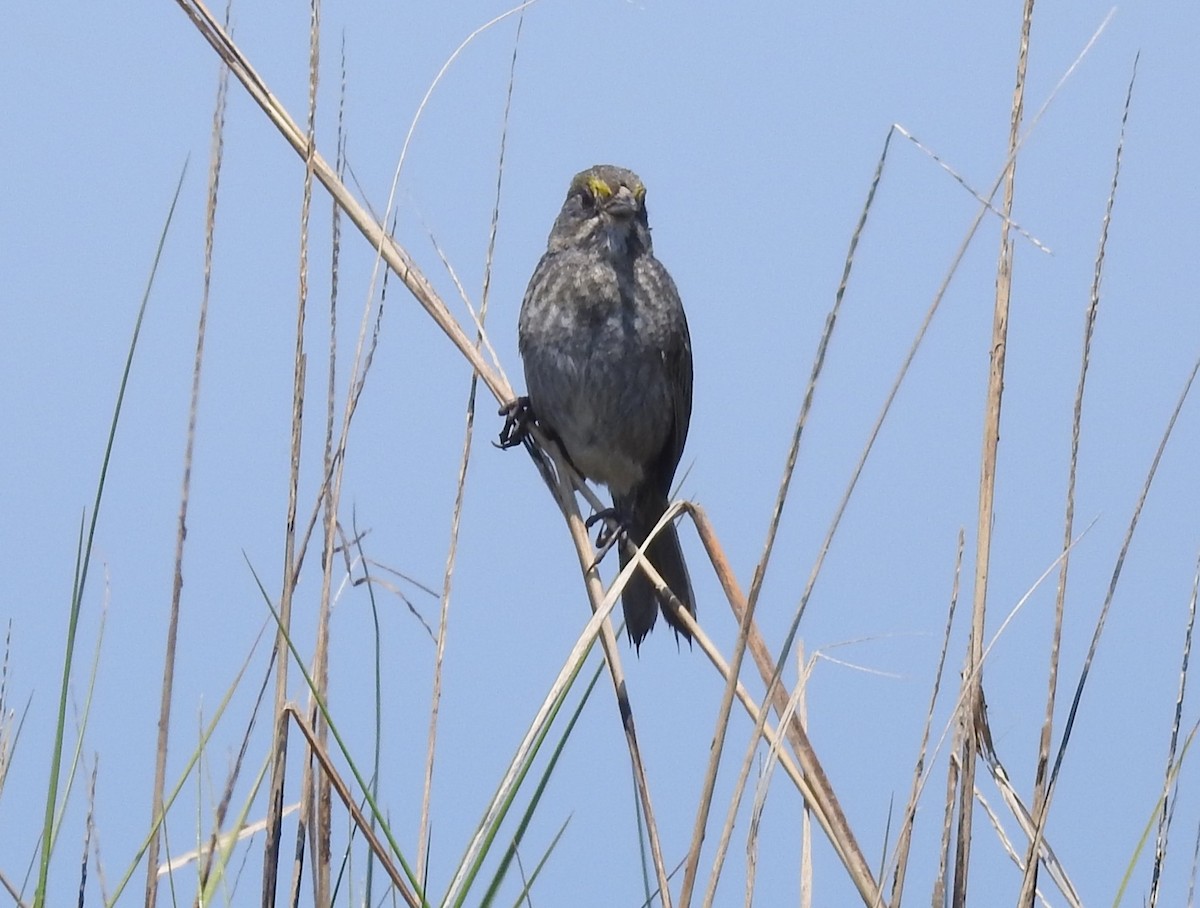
(1002, 836)
(806, 864)
(205, 869)
(396, 258)
(938, 897)
(1045, 854)
(89, 829)
(314, 821)
(1043, 759)
(798, 706)
(1170, 786)
(216, 150)
(745, 620)
(987, 480)
(1102, 619)
(904, 840)
(821, 796)
(339, 785)
(321, 821)
(288, 583)
(460, 491)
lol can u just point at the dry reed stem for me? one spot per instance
(1111, 593)
(1167, 809)
(288, 582)
(314, 820)
(723, 712)
(904, 839)
(12, 891)
(952, 773)
(1002, 837)
(771, 671)
(956, 723)
(339, 785)
(89, 829)
(235, 771)
(823, 799)
(443, 627)
(809, 799)
(987, 482)
(460, 490)
(797, 706)
(1043, 758)
(396, 258)
(849, 847)
(806, 864)
(320, 830)
(216, 150)
(975, 194)
(7, 734)
(1045, 853)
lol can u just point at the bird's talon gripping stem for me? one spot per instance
(518, 417)
(608, 534)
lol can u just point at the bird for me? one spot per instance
(608, 368)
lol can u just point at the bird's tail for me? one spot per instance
(639, 599)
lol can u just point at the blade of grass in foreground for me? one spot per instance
(205, 736)
(502, 801)
(291, 713)
(81, 566)
(511, 851)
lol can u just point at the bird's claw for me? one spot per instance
(609, 534)
(518, 417)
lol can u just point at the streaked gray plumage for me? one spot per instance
(608, 366)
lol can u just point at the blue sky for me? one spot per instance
(756, 130)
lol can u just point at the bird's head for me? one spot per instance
(605, 210)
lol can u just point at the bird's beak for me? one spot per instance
(622, 204)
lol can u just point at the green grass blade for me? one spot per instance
(83, 559)
(511, 852)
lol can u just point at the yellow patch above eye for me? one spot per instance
(599, 188)
(639, 192)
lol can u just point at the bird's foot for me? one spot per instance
(613, 527)
(518, 417)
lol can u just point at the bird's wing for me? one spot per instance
(677, 356)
